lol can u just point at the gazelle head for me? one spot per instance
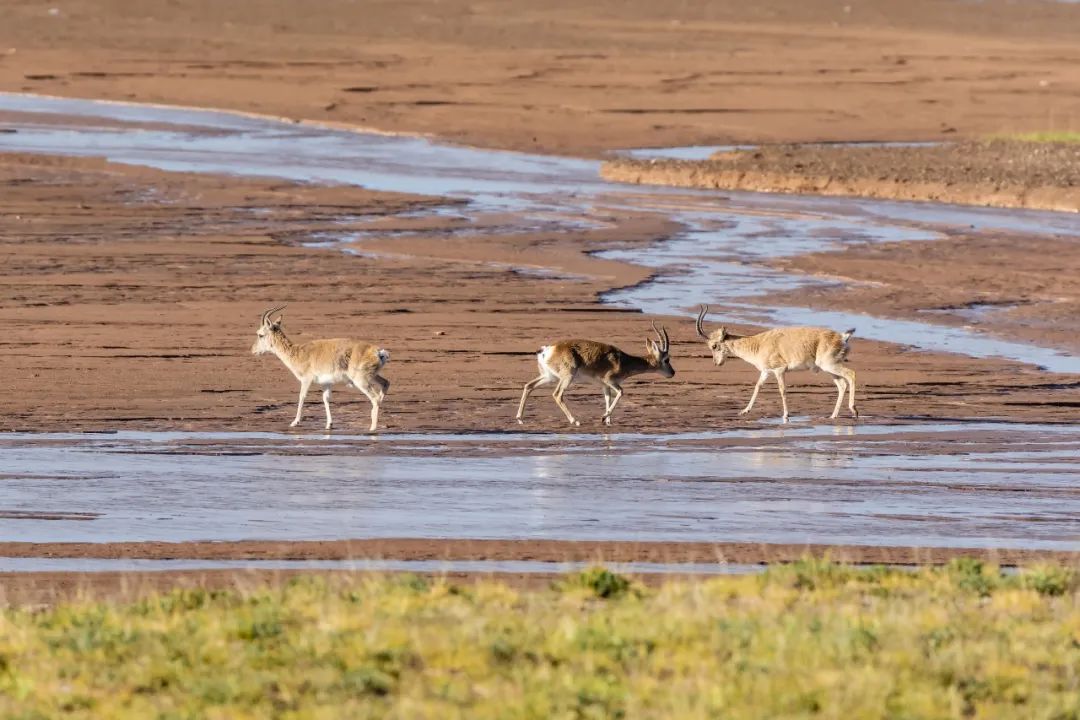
(267, 329)
(715, 339)
(659, 352)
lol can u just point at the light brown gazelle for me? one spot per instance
(603, 363)
(793, 348)
(326, 363)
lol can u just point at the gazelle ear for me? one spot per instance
(722, 333)
(650, 346)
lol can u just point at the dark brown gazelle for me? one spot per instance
(605, 364)
(326, 363)
(782, 349)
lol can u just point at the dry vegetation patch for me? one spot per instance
(808, 639)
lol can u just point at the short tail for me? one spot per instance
(384, 356)
(845, 350)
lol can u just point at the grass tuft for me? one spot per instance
(600, 581)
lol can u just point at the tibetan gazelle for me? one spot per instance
(793, 348)
(606, 364)
(326, 363)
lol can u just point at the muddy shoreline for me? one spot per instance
(43, 588)
(959, 280)
(552, 551)
(1007, 174)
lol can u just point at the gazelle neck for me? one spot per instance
(737, 346)
(283, 347)
(638, 365)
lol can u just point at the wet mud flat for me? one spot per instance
(994, 173)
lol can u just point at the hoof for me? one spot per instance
(294, 423)
(744, 411)
(575, 423)
(607, 421)
(520, 421)
(854, 413)
(784, 420)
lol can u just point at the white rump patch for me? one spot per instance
(384, 357)
(543, 358)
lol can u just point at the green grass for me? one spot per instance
(1044, 136)
(811, 639)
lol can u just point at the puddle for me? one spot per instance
(704, 152)
(526, 567)
(716, 259)
(969, 485)
(975, 313)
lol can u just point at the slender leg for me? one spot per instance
(559, 390)
(616, 395)
(753, 397)
(529, 387)
(783, 395)
(849, 375)
(326, 404)
(841, 385)
(607, 400)
(375, 397)
(304, 385)
(384, 387)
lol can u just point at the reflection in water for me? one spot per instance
(775, 464)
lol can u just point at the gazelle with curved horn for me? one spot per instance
(326, 363)
(605, 364)
(792, 348)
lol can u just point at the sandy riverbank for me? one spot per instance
(1033, 175)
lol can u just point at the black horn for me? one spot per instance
(662, 336)
(701, 319)
(266, 315)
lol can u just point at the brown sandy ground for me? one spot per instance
(554, 551)
(43, 588)
(129, 299)
(997, 173)
(572, 77)
(39, 589)
(1023, 289)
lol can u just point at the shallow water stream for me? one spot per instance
(966, 485)
(716, 259)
